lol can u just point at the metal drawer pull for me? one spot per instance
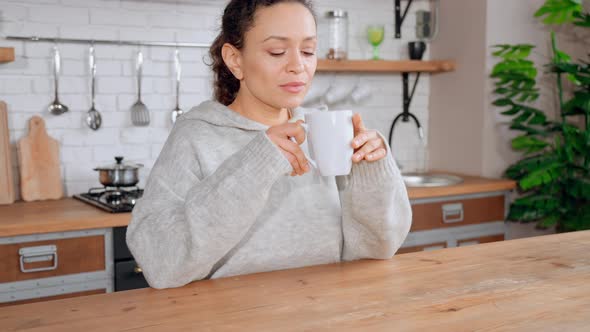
(38, 254)
(450, 210)
(137, 270)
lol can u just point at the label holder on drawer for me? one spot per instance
(450, 210)
(38, 254)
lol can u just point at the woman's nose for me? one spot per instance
(295, 64)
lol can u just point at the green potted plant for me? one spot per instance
(554, 174)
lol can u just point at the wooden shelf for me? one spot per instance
(385, 66)
(6, 54)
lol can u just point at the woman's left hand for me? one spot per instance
(367, 144)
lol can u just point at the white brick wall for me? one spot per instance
(27, 85)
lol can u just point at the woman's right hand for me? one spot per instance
(280, 135)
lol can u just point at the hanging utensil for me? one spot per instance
(176, 112)
(93, 118)
(140, 115)
(57, 108)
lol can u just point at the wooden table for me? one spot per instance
(534, 284)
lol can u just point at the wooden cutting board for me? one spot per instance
(40, 174)
(6, 179)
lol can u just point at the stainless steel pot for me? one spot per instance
(119, 174)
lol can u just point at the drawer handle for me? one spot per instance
(38, 254)
(137, 270)
(452, 213)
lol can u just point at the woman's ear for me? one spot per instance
(233, 60)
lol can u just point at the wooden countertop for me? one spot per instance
(533, 284)
(70, 214)
(470, 185)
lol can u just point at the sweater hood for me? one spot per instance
(217, 114)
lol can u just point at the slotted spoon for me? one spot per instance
(140, 115)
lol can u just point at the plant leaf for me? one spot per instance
(549, 221)
(538, 119)
(559, 11)
(528, 143)
(559, 56)
(530, 164)
(583, 20)
(579, 188)
(523, 214)
(545, 175)
(579, 104)
(502, 102)
(522, 117)
(512, 111)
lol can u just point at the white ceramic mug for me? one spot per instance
(329, 138)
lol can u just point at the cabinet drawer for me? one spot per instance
(457, 213)
(51, 258)
(426, 247)
(56, 297)
(479, 240)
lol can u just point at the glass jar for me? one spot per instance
(337, 21)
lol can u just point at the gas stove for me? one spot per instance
(112, 199)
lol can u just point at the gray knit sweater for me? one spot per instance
(219, 202)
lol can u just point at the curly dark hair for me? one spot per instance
(238, 18)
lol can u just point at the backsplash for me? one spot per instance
(27, 85)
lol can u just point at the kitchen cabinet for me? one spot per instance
(55, 265)
(456, 212)
(453, 221)
(128, 274)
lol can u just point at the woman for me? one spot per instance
(219, 200)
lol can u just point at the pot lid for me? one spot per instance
(119, 165)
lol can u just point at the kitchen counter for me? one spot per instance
(68, 214)
(533, 284)
(470, 185)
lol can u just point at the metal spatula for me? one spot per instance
(140, 115)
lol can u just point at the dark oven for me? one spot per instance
(128, 274)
